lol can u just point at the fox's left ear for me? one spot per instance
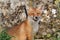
(29, 11)
(39, 9)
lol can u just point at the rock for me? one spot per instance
(53, 29)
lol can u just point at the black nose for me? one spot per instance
(36, 17)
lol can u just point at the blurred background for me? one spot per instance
(11, 13)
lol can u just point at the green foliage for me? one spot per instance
(48, 35)
(59, 38)
(4, 35)
(56, 36)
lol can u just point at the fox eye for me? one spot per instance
(38, 13)
(32, 13)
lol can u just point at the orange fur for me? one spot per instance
(34, 12)
(23, 31)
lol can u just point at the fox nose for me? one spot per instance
(36, 17)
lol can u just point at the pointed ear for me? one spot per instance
(39, 10)
(30, 9)
(40, 6)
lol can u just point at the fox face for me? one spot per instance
(34, 13)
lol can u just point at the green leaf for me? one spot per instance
(48, 35)
(4, 35)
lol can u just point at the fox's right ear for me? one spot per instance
(29, 10)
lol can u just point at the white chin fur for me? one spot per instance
(34, 24)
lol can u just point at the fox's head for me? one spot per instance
(34, 13)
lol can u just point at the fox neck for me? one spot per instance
(34, 24)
